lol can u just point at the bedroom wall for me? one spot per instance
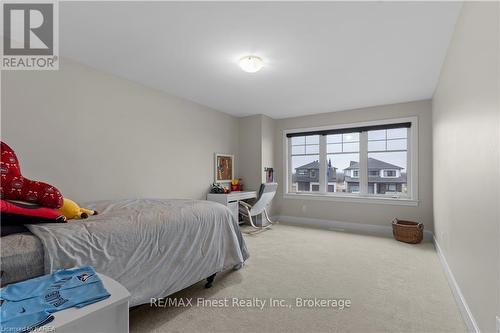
(250, 138)
(256, 138)
(466, 160)
(374, 214)
(267, 144)
(97, 136)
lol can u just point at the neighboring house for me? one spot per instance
(383, 177)
(306, 177)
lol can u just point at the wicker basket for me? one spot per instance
(407, 231)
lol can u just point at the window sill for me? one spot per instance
(352, 199)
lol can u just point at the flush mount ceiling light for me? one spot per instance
(251, 64)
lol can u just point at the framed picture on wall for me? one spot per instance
(224, 168)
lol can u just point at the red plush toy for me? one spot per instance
(14, 186)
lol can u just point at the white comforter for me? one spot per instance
(152, 247)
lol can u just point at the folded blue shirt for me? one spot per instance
(28, 302)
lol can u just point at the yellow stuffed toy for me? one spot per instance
(71, 210)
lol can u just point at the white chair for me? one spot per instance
(266, 195)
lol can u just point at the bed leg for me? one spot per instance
(210, 281)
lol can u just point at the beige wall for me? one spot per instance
(96, 136)
(376, 214)
(250, 139)
(466, 160)
(257, 149)
(267, 144)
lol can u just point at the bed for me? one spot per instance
(152, 247)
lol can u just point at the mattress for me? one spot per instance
(22, 257)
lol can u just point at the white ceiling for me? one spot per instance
(320, 57)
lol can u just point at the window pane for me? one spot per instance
(312, 140)
(312, 149)
(350, 137)
(351, 147)
(391, 179)
(334, 138)
(334, 148)
(376, 145)
(305, 171)
(396, 144)
(376, 135)
(338, 169)
(298, 150)
(397, 133)
(298, 140)
(381, 144)
(339, 161)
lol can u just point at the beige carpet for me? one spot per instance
(392, 286)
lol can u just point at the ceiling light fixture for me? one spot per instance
(251, 64)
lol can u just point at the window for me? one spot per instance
(342, 153)
(389, 173)
(304, 157)
(387, 150)
(371, 160)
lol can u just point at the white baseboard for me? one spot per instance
(459, 297)
(377, 230)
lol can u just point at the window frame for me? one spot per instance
(363, 197)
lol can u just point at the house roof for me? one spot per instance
(374, 164)
(312, 165)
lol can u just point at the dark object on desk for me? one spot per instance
(217, 188)
(407, 231)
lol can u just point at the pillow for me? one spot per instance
(16, 213)
(14, 186)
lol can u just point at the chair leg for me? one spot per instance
(267, 217)
(261, 228)
(251, 219)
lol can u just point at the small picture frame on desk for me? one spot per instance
(224, 168)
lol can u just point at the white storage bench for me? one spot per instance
(107, 316)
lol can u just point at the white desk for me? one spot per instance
(231, 199)
(109, 315)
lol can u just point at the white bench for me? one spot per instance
(107, 316)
